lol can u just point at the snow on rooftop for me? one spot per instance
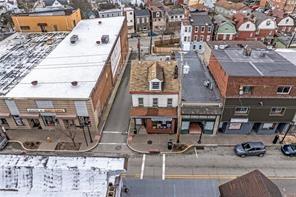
(19, 54)
(24, 176)
(81, 62)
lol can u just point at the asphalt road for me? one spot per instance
(218, 164)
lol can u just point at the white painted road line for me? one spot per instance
(112, 143)
(196, 153)
(163, 167)
(119, 132)
(143, 166)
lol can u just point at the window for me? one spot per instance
(185, 38)
(247, 89)
(287, 20)
(196, 29)
(155, 86)
(194, 47)
(140, 102)
(208, 37)
(55, 27)
(18, 120)
(155, 102)
(241, 110)
(199, 47)
(277, 111)
(235, 126)
(189, 29)
(25, 27)
(209, 29)
(138, 20)
(74, 23)
(267, 23)
(269, 126)
(49, 120)
(248, 26)
(172, 17)
(170, 102)
(185, 29)
(202, 29)
(195, 37)
(3, 121)
(131, 13)
(161, 124)
(283, 89)
(201, 38)
(84, 121)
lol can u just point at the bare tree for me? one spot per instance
(71, 134)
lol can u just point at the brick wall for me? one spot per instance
(219, 75)
(263, 86)
(245, 35)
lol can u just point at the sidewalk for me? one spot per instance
(139, 142)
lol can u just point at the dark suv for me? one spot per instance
(250, 149)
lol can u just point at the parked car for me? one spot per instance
(152, 34)
(289, 149)
(250, 149)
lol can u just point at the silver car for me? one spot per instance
(250, 149)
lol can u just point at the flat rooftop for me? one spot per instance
(261, 62)
(81, 62)
(193, 83)
(20, 53)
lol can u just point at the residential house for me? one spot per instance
(256, 84)
(288, 6)
(201, 102)
(225, 31)
(229, 8)
(46, 20)
(246, 28)
(51, 3)
(174, 18)
(266, 27)
(195, 30)
(130, 18)
(286, 24)
(157, 17)
(202, 30)
(110, 13)
(8, 5)
(154, 88)
(142, 20)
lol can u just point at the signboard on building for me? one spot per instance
(239, 120)
(53, 110)
(115, 57)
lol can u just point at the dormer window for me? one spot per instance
(155, 86)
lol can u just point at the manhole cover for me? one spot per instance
(149, 142)
(118, 147)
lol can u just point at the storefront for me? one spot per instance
(196, 124)
(159, 125)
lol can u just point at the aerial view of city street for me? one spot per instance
(154, 98)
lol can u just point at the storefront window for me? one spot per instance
(18, 120)
(84, 120)
(49, 120)
(3, 121)
(161, 124)
(269, 126)
(209, 127)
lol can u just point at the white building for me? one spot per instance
(130, 18)
(185, 35)
(111, 13)
(35, 176)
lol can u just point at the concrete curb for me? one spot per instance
(110, 103)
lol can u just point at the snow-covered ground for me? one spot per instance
(36, 176)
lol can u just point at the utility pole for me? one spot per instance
(291, 41)
(139, 49)
(180, 97)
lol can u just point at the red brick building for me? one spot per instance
(257, 85)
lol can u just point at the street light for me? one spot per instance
(180, 95)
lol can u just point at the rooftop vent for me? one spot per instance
(105, 39)
(100, 22)
(247, 51)
(74, 83)
(34, 83)
(98, 42)
(74, 39)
